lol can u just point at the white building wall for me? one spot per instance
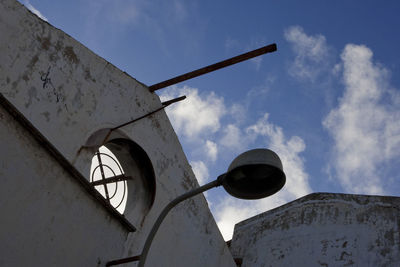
(68, 93)
(47, 218)
(322, 229)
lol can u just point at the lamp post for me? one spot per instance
(254, 174)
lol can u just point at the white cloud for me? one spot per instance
(34, 10)
(211, 150)
(201, 171)
(232, 138)
(238, 112)
(231, 211)
(288, 150)
(365, 124)
(198, 114)
(311, 53)
(199, 119)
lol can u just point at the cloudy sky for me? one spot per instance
(328, 101)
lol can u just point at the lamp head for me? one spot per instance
(254, 174)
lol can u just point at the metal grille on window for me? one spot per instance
(108, 178)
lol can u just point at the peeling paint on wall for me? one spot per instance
(322, 229)
(70, 54)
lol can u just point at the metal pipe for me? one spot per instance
(142, 257)
(222, 64)
(103, 177)
(163, 105)
(121, 261)
(109, 180)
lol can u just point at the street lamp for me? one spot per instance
(254, 174)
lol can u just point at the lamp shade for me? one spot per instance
(254, 174)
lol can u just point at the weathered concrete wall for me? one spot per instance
(47, 219)
(322, 229)
(68, 93)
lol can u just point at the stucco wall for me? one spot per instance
(68, 93)
(323, 229)
(47, 219)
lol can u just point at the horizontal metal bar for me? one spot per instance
(163, 105)
(169, 102)
(109, 180)
(68, 167)
(124, 260)
(222, 64)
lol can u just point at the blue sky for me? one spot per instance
(327, 101)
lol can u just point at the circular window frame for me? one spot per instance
(135, 163)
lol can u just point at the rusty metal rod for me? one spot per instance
(109, 180)
(124, 260)
(103, 177)
(222, 64)
(163, 105)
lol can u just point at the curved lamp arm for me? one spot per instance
(165, 211)
(254, 174)
(142, 257)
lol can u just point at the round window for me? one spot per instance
(109, 179)
(123, 174)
